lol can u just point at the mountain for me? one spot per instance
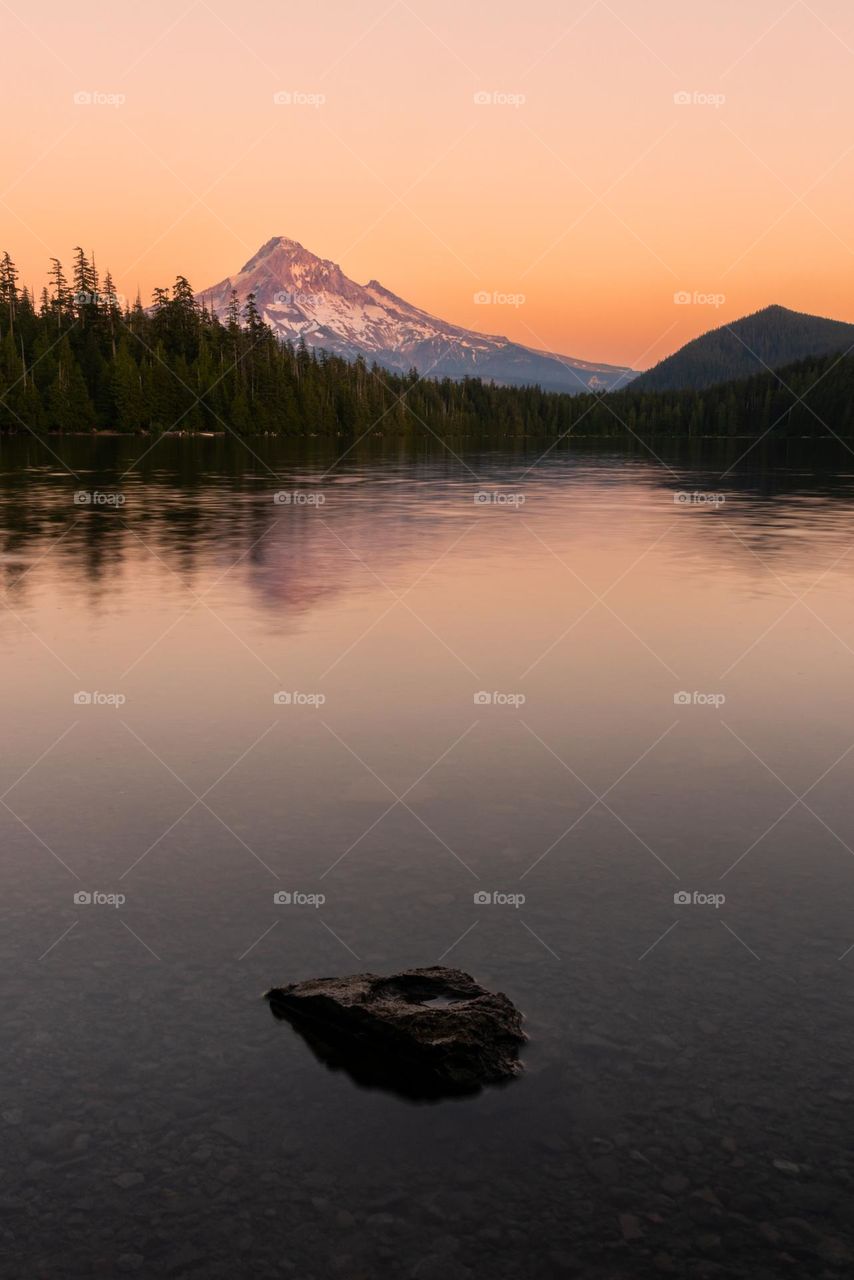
(303, 296)
(768, 339)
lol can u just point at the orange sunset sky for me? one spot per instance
(582, 184)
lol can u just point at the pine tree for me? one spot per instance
(184, 319)
(9, 289)
(68, 399)
(111, 310)
(84, 289)
(127, 391)
(61, 298)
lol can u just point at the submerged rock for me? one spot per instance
(422, 1033)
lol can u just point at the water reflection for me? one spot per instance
(153, 1113)
(366, 1068)
(205, 505)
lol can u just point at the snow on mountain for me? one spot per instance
(303, 296)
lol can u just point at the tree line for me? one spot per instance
(80, 358)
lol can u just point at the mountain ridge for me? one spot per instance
(770, 338)
(303, 296)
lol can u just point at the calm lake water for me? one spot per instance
(666, 646)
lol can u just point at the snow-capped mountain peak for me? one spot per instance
(302, 296)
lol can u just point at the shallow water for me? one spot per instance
(686, 1103)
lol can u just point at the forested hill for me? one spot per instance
(768, 339)
(79, 360)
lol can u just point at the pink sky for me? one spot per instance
(598, 197)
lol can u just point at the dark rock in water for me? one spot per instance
(423, 1033)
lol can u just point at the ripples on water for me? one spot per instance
(156, 1116)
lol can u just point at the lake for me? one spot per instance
(579, 721)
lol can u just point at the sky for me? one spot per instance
(620, 175)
